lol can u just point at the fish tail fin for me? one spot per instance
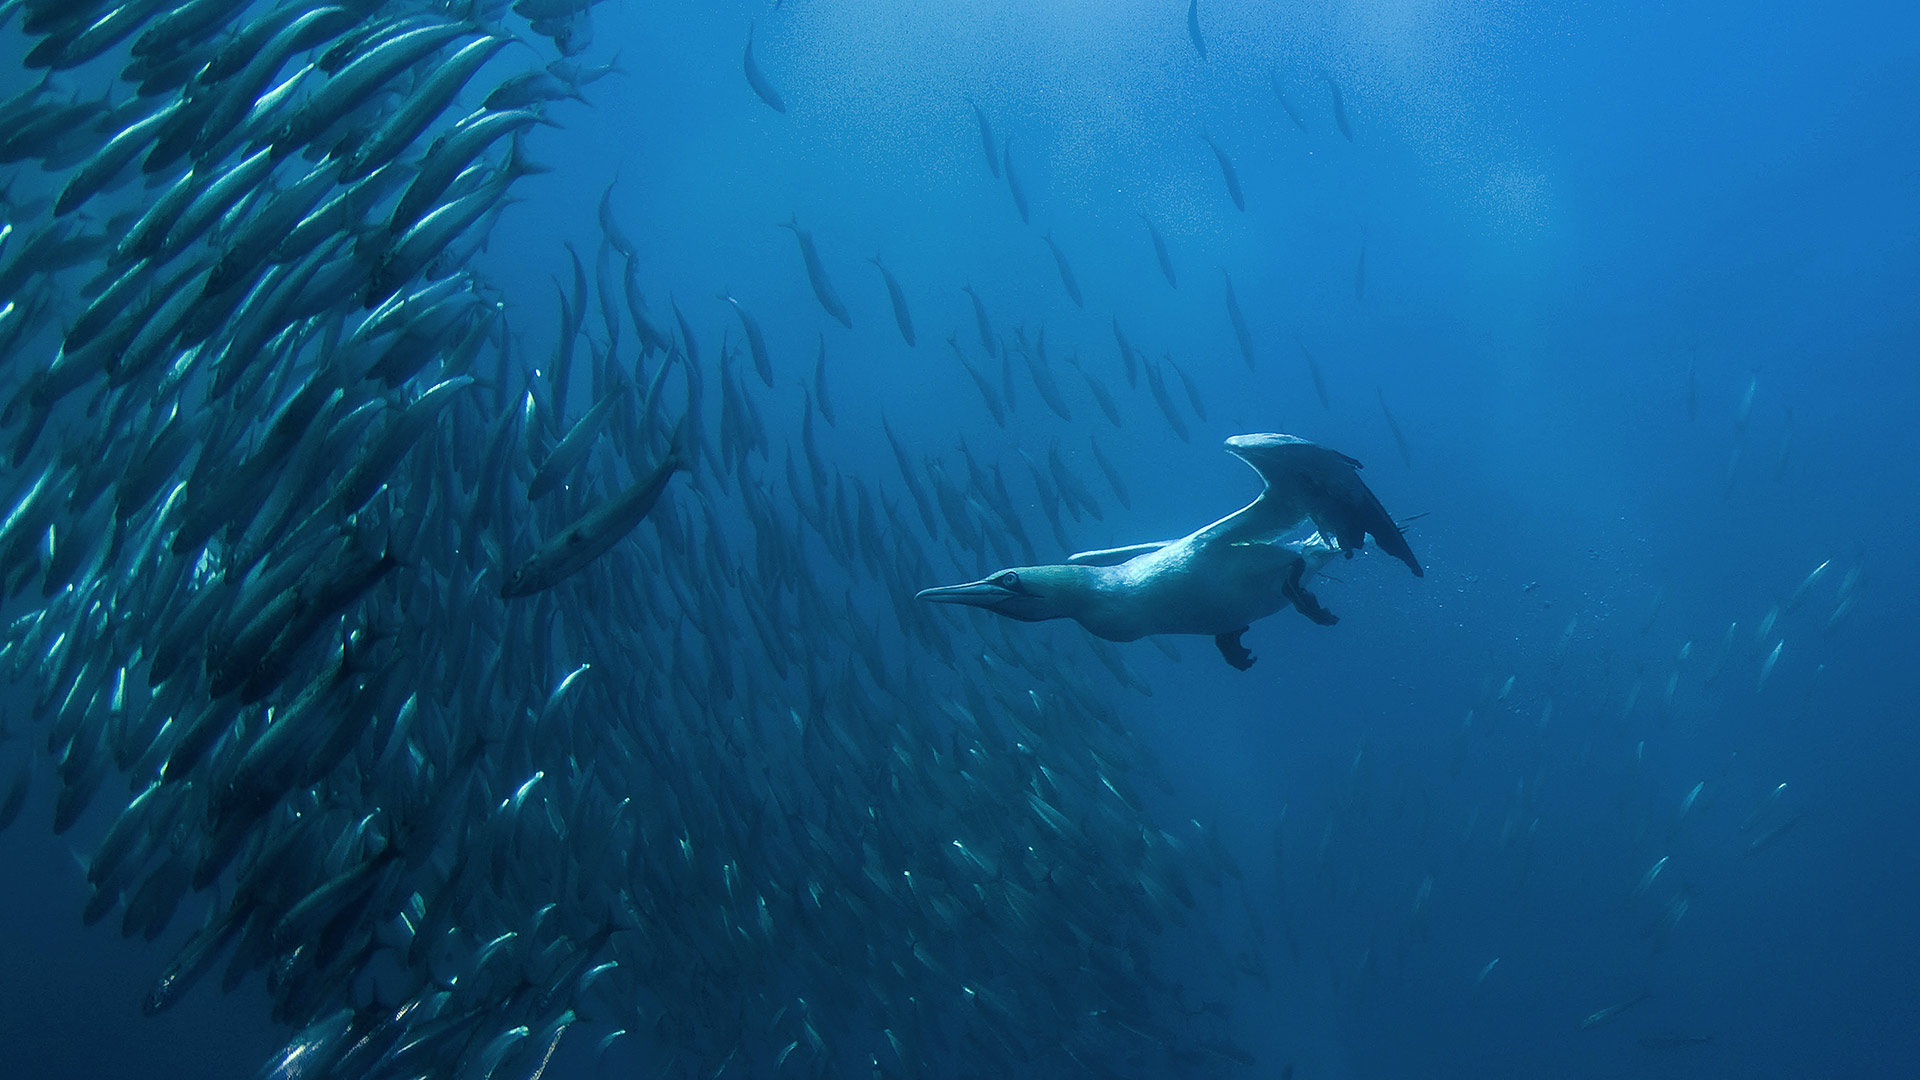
(519, 164)
(677, 453)
(384, 539)
(22, 400)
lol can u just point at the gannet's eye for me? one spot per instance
(1010, 581)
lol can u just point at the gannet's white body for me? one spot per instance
(1217, 581)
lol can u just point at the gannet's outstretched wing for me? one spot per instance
(1115, 556)
(1308, 481)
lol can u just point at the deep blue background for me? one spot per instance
(1565, 208)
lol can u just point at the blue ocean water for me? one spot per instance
(1637, 285)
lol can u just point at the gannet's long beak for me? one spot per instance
(984, 593)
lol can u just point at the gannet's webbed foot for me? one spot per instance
(1303, 601)
(1236, 653)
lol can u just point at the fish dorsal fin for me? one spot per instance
(1115, 556)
